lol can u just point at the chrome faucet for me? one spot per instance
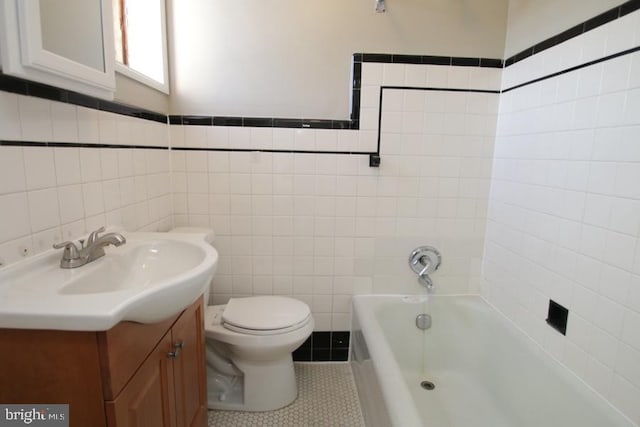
(424, 261)
(74, 256)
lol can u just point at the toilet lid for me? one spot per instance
(265, 313)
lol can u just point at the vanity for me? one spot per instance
(121, 339)
(133, 374)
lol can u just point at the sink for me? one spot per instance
(150, 278)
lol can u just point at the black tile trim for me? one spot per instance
(387, 58)
(271, 122)
(196, 120)
(324, 346)
(273, 150)
(439, 89)
(25, 87)
(577, 67)
(588, 25)
(10, 143)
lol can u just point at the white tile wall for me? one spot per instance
(52, 194)
(322, 227)
(564, 211)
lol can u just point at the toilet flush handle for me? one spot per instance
(177, 348)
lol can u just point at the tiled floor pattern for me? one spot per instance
(327, 397)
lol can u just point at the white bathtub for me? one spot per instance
(486, 372)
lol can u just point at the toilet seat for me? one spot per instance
(241, 330)
(265, 315)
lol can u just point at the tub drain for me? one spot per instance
(427, 385)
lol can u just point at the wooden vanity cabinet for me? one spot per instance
(132, 375)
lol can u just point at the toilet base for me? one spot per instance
(264, 386)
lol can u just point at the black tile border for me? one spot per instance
(324, 346)
(272, 150)
(270, 122)
(10, 143)
(29, 88)
(575, 68)
(388, 58)
(577, 30)
(52, 93)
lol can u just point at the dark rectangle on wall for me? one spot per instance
(317, 124)
(377, 57)
(557, 317)
(287, 123)
(465, 62)
(197, 120)
(629, 7)
(491, 63)
(175, 120)
(407, 59)
(227, 121)
(13, 84)
(47, 92)
(601, 19)
(150, 115)
(114, 107)
(258, 122)
(436, 60)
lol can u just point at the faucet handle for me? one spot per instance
(70, 250)
(94, 235)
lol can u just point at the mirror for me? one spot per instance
(73, 30)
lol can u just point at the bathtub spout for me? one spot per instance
(426, 281)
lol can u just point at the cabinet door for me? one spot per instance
(189, 368)
(147, 400)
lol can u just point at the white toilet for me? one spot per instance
(249, 342)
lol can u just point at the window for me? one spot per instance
(141, 41)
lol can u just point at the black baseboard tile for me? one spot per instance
(324, 346)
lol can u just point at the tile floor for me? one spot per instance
(327, 397)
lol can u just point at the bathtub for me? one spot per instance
(485, 371)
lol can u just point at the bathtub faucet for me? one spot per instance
(424, 260)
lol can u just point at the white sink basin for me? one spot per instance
(146, 280)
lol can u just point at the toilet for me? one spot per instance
(249, 342)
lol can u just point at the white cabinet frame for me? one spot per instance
(22, 53)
